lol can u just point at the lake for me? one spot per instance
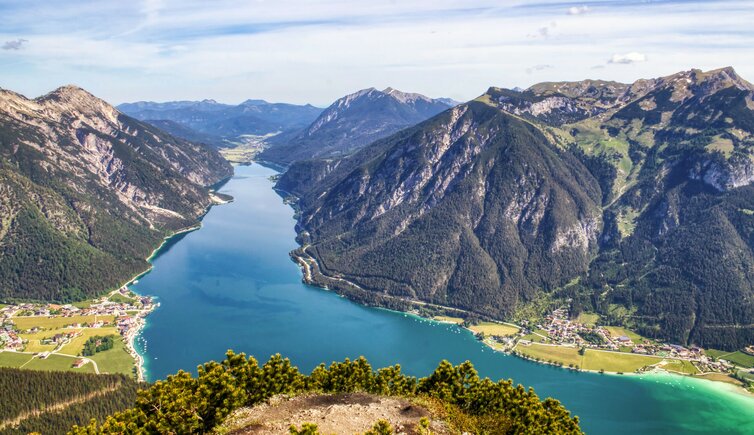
(232, 285)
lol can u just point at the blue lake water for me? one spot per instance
(232, 285)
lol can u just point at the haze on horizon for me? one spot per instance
(303, 51)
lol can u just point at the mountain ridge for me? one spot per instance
(352, 122)
(652, 156)
(87, 193)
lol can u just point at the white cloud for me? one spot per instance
(578, 10)
(540, 67)
(15, 44)
(632, 57)
(316, 51)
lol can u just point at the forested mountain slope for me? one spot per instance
(352, 122)
(52, 402)
(603, 194)
(86, 193)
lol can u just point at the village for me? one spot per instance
(53, 336)
(583, 344)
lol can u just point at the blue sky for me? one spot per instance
(314, 51)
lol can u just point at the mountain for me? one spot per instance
(631, 200)
(219, 123)
(87, 193)
(353, 122)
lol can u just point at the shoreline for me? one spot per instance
(310, 270)
(133, 334)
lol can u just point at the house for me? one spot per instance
(78, 363)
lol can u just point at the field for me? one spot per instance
(24, 323)
(591, 360)
(52, 362)
(563, 354)
(494, 329)
(738, 357)
(681, 366)
(77, 344)
(13, 359)
(120, 299)
(617, 331)
(617, 361)
(57, 363)
(536, 338)
(588, 319)
(448, 319)
(115, 360)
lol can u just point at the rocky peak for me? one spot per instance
(405, 97)
(74, 101)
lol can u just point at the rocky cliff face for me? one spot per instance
(354, 121)
(83, 187)
(639, 196)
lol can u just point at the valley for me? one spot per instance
(522, 227)
(235, 274)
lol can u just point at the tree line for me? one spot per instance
(185, 404)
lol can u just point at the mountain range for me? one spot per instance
(352, 122)
(86, 193)
(634, 201)
(221, 124)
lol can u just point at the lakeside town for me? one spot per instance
(49, 336)
(582, 343)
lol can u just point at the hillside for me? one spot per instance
(453, 397)
(630, 200)
(352, 122)
(87, 193)
(222, 124)
(47, 402)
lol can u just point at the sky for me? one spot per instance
(315, 51)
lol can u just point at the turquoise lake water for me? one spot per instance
(232, 285)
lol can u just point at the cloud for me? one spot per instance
(628, 58)
(578, 10)
(544, 31)
(538, 68)
(15, 44)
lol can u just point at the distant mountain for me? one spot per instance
(220, 123)
(635, 201)
(353, 122)
(86, 193)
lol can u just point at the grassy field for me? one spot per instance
(591, 360)
(52, 362)
(563, 354)
(495, 329)
(617, 331)
(13, 359)
(24, 323)
(115, 360)
(617, 361)
(536, 338)
(588, 319)
(738, 357)
(681, 366)
(120, 299)
(448, 319)
(77, 344)
(58, 363)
